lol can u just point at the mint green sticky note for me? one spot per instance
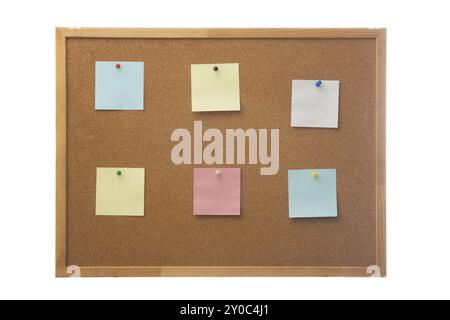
(312, 193)
(119, 85)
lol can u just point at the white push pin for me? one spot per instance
(218, 172)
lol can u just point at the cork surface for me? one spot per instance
(169, 234)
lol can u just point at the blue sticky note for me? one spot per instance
(119, 85)
(312, 193)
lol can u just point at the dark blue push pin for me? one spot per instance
(318, 83)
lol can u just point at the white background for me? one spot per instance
(418, 214)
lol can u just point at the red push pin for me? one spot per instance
(117, 65)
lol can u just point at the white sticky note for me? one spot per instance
(315, 107)
(215, 87)
(120, 192)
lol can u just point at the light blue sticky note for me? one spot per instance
(119, 88)
(312, 196)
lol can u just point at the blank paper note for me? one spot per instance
(312, 193)
(215, 87)
(119, 85)
(315, 106)
(120, 192)
(217, 191)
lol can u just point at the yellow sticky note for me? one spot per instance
(120, 192)
(215, 87)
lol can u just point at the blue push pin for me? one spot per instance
(318, 83)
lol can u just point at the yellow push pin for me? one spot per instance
(315, 174)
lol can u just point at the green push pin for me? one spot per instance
(119, 173)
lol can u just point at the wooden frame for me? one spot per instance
(61, 151)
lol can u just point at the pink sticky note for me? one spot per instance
(217, 191)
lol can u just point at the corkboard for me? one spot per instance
(169, 240)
